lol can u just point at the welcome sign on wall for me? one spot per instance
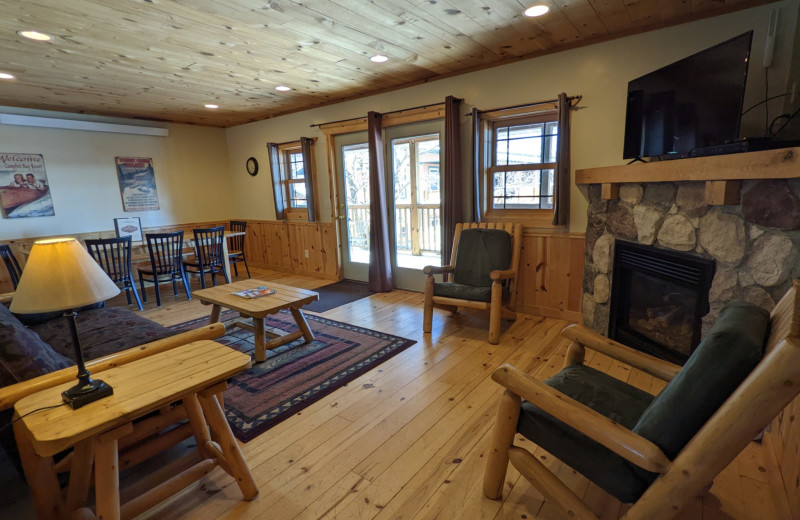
(24, 189)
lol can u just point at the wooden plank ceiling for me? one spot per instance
(165, 59)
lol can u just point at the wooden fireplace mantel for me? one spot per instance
(723, 174)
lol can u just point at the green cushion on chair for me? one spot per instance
(727, 354)
(462, 291)
(481, 251)
(611, 397)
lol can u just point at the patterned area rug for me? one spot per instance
(297, 374)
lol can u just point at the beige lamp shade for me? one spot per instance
(60, 275)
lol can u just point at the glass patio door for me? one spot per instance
(415, 170)
(352, 156)
(414, 190)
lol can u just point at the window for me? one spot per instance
(519, 165)
(293, 179)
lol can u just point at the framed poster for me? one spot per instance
(137, 183)
(129, 227)
(24, 190)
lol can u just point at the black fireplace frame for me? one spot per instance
(688, 270)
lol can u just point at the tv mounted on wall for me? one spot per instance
(693, 103)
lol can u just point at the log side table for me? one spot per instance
(194, 374)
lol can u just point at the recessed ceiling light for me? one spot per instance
(211, 106)
(537, 10)
(379, 58)
(35, 35)
(282, 88)
(6, 75)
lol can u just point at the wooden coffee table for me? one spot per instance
(259, 308)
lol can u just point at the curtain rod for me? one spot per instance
(569, 98)
(382, 113)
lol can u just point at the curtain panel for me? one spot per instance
(380, 260)
(477, 210)
(452, 207)
(277, 186)
(561, 196)
(305, 145)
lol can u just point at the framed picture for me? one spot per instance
(129, 227)
(137, 183)
(24, 190)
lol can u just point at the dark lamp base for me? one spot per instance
(81, 395)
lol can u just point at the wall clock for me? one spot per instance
(252, 166)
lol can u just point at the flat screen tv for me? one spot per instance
(693, 103)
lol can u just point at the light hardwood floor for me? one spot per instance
(408, 439)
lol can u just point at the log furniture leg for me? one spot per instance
(230, 448)
(106, 473)
(259, 340)
(302, 324)
(41, 476)
(216, 310)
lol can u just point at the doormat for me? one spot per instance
(338, 294)
(298, 374)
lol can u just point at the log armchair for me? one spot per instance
(657, 453)
(484, 267)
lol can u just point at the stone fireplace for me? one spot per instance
(753, 244)
(658, 299)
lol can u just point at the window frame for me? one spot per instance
(490, 121)
(285, 151)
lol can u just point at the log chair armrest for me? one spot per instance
(654, 366)
(9, 395)
(431, 270)
(610, 434)
(6, 297)
(503, 275)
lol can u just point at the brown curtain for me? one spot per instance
(380, 260)
(561, 195)
(305, 145)
(277, 186)
(476, 165)
(452, 211)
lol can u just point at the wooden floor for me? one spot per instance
(408, 439)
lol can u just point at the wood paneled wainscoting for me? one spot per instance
(282, 245)
(551, 274)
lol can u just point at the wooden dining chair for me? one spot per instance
(114, 256)
(236, 250)
(656, 452)
(207, 255)
(166, 264)
(14, 270)
(483, 266)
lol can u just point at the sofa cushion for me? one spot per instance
(102, 332)
(41, 317)
(23, 355)
(481, 251)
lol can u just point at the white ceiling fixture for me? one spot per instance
(537, 10)
(77, 124)
(379, 58)
(282, 88)
(35, 35)
(210, 105)
(6, 75)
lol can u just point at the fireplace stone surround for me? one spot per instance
(754, 244)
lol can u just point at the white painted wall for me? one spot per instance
(191, 170)
(599, 72)
(200, 171)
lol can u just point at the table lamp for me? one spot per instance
(61, 276)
